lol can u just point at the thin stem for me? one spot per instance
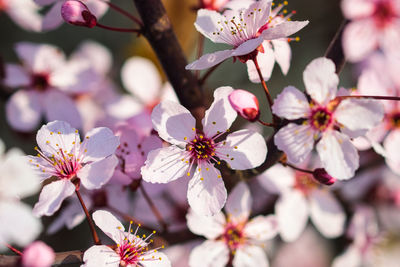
(395, 98)
(138, 31)
(16, 251)
(200, 48)
(154, 209)
(297, 168)
(208, 73)
(123, 12)
(89, 219)
(267, 123)
(270, 101)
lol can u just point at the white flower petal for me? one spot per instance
(292, 213)
(291, 104)
(262, 228)
(59, 106)
(107, 222)
(173, 122)
(326, 213)
(99, 56)
(282, 53)
(100, 256)
(321, 80)
(296, 141)
(220, 116)
(159, 260)
(391, 145)
(100, 143)
(209, 60)
(265, 60)
(338, 155)
(354, 9)
(283, 29)
(209, 254)
(206, 190)
(244, 149)
(210, 227)
(207, 24)
(359, 115)
(23, 110)
(360, 38)
(25, 13)
(248, 46)
(16, 76)
(165, 165)
(52, 196)
(238, 205)
(351, 257)
(94, 175)
(140, 76)
(53, 19)
(249, 256)
(277, 179)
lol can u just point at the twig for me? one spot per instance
(114, 29)
(96, 239)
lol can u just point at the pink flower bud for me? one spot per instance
(38, 254)
(323, 177)
(77, 13)
(213, 4)
(245, 103)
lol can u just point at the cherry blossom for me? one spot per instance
(300, 197)
(233, 235)
(327, 121)
(77, 13)
(131, 250)
(17, 180)
(374, 24)
(244, 29)
(61, 154)
(46, 81)
(38, 254)
(53, 19)
(25, 13)
(200, 150)
(245, 104)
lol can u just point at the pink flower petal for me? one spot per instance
(100, 143)
(94, 175)
(250, 256)
(209, 254)
(291, 104)
(97, 256)
(262, 228)
(209, 60)
(238, 205)
(109, 225)
(16, 76)
(210, 227)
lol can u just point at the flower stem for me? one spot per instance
(296, 168)
(154, 209)
(90, 221)
(264, 85)
(267, 123)
(123, 12)
(394, 98)
(207, 74)
(138, 31)
(16, 251)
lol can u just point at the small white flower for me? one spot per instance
(62, 155)
(131, 250)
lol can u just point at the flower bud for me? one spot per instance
(245, 103)
(323, 177)
(38, 254)
(77, 13)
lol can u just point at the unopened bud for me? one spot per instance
(323, 177)
(245, 103)
(77, 13)
(38, 254)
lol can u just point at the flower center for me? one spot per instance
(201, 148)
(234, 236)
(384, 13)
(304, 182)
(40, 81)
(320, 119)
(394, 120)
(129, 253)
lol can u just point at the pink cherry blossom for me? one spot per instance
(25, 13)
(213, 4)
(244, 29)
(77, 13)
(245, 104)
(131, 250)
(194, 153)
(233, 235)
(17, 180)
(374, 24)
(301, 197)
(38, 254)
(327, 122)
(61, 154)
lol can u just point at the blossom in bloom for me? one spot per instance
(25, 13)
(62, 154)
(300, 197)
(77, 13)
(244, 29)
(131, 250)
(200, 150)
(327, 121)
(245, 104)
(53, 17)
(17, 180)
(46, 81)
(233, 235)
(374, 24)
(38, 254)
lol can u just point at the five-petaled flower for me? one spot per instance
(131, 249)
(191, 147)
(62, 155)
(327, 121)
